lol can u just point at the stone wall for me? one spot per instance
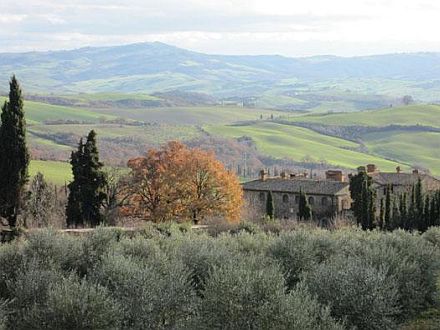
(286, 204)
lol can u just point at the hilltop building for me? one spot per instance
(327, 197)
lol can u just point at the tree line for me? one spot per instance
(413, 210)
(171, 183)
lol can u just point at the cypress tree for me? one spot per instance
(381, 214)
(95, 181)
(388, 207)
(270, 207)
(364, 200)
(403, 209)
(426, 223)
(14, 155)
(304, 208)
(419, 206)
(74, 215)
(86, 191)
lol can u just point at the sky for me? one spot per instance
(285, 27)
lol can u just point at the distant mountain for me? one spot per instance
(157, 67)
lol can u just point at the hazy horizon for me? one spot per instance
(252, 27)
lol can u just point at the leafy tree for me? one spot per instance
(182, 183)
(304, 208)
(86, 191)
(40, 201)
(270, 206)
(14, 155)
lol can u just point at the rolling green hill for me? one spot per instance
(426, 115)
(280, 141)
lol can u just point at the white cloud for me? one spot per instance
(290, 27)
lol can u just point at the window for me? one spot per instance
(296, 199)
(311, 201)
(285, 198)
(262, 196)
(324, 201)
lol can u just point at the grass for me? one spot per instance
(202, 115)
(55, 172)
(38, 112)
(281, 141)
(420, 148)
(426, 115)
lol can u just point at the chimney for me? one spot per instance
(263, 175)
(398, 169)
(415, 171)
(371, 168)
(334, 175)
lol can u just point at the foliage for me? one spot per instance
(364, 200)
(304, 208)
(14, 155)
(180, 183)
(357, 292)
(87, 194)
(40, 202)
(270, 206)
(251, 295)
(168, 277)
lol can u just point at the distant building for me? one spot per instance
(399, 181)
(327, 197)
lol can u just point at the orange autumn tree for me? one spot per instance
(176, 182)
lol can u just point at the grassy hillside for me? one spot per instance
(418, 148)
(297, 143)
(426, 115)
(55, 172)
(192, 115)
(38, 112)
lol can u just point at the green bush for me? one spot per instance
(73, 304)
(356, 291)
(432, 235)
(251, 295)
(152, 296)
(11, 259)
(301, 251)
(48, 247)
(4, 307)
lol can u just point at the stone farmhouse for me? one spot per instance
(399, 181)
(327, 197)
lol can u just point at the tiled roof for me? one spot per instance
(404, 179)
(309, 186)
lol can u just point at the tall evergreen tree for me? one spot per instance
(388, 208)
(403, 209)
(74, 215)
(364, 200)
(381, 214)
(87, 188)
(304, 208)
(270, 206)
(14, 155)
(419, 206)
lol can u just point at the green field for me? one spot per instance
(192, 115)
(280, 141)
(418, 148)
(426, 115)
(38, 112)
(57, 173)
